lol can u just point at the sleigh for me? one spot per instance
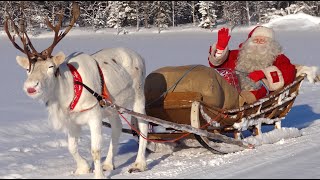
(186, 115)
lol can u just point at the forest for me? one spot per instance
(160, 14)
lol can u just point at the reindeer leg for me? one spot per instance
(96, 140)
(140, 164)
(116, 126)
(82, 165)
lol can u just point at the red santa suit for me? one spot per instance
(278, 73)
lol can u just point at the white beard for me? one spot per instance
(253, 57)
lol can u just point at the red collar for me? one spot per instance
(77, 87)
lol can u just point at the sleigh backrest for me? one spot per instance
(276, 105)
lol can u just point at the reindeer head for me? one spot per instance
(41, 67)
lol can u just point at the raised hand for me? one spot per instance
(223, 38)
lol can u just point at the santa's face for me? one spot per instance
(258, 47)
(257, 53)
(259, 40)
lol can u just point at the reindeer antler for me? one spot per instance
(32, 56)
(27, 45)
(56, 29)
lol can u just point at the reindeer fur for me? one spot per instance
(124, 74)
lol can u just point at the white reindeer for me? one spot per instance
(51, 79)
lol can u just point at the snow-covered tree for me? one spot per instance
(208, 14)
(183, 12)
(16, 9)
(161, 11)
(249, 11)
(295, 8)
(93, 13)
(3, 5)
(260, 8)
(138, 13)
(232, 11)
(193, 6)
(272, 13)
(311, 7)
(121, 14)
(145, 12)
(308, 7)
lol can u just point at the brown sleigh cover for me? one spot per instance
(170, 91)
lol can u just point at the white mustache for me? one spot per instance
(257, 48)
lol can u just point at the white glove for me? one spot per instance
(311, 72)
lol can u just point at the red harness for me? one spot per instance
(78, 87)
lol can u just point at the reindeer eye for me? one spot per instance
(51, 66)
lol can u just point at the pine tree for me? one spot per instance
(161, 11)
(208, 14)
(232, 11)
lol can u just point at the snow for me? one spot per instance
(299, 21)
(31, 149)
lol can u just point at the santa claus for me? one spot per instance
(259, 63)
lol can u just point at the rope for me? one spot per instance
(102, 104)
(173, 86)
(265, 86)
(245, 74)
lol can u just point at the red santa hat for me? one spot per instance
(262, 31)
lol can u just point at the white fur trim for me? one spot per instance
(310, 71)
(263, 31)
(269, 81)
(217, 61)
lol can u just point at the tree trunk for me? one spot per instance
(248, 13)
(137, 15)
(118, 24)
(158, 16)
(173, 14)
(209, 15)
(145, 9)
(193, 13)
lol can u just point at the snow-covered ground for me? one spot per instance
(29, 148)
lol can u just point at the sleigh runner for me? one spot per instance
(186, 115)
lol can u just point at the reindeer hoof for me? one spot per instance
(138, 167)
(99, 176)
(82, 170)
(107, 167)
(134, 170)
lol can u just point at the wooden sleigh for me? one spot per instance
(184, 114)
(188, 108)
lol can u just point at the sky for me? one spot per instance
(30, 148)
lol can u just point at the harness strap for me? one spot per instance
(105, 95)
(77, 87)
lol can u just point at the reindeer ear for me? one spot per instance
(23, 61)
(59, 58)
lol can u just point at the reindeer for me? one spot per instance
(54, 80)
